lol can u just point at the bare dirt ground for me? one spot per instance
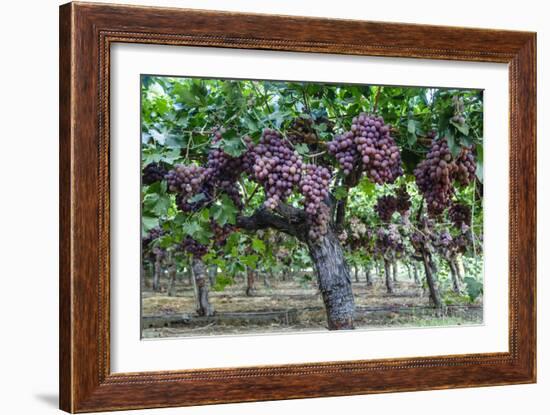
(407, 306)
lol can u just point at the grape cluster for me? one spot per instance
(387, 205)
(301, 131)
(344, 149)
(153, 234)
(153, 172)
(370, 147)
(221, 166)
(444, 240)
(466, 166)
(186, 182)
(314, 185)
(459, 214)
(358, 229)
(221, 233)
(389, 242)
(434, 176)
(450, 246)
(403, 198)
(191, 246)
(358, 236)
(276, 166)
(186, 179)
(319, 222)
(462, 242)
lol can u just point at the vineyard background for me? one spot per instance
(413, 246)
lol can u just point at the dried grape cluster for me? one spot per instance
(153, 172)
(387, 205)
(370, 147)
(436, 173)
(459, 214)
(357, 235)
(194, 248)
(276, 166)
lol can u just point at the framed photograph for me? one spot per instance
(258, 207)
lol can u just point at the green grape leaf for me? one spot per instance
(224, 212)
(258, 245)
(463, 128)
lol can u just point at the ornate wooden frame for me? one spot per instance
(86, 33)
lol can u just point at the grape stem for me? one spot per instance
(376, 97)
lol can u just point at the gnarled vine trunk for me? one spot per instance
(213, 274)
(454, 276)
(368, 275)
(172, 279)
(415, 273)
(389, 281)
(334, 280)
(156, 272)
(250, 282)
(430, 279)
(333, 274)
(395, 268)
(199, 274)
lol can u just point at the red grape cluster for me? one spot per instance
(314, 185)
(434, 176)
(319, 222)
(450, 246)
(344, 149)
(385, 207)
(191, 246)
(153, 172)
(276, 166)
(369, 146)
(388, 204)
(221, 233)
(443, 241)
(186, 182)
(466, 164)
(186, 179)
(436, 173)
(389, 241)
(221, 166)
(459, 214)
(152, 235)
(301, 131)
